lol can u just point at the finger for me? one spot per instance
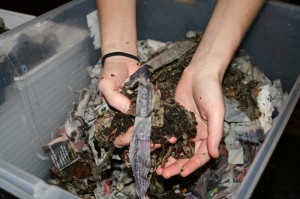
(109, 90)
(124, 139)
(215, 130)
(169, 161)
(154, 146)
(197, 161)
(198, 145)
(174, 168)
(172, 140)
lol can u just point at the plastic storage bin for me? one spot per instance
(41, 59)
(14, 19)
(24, 185)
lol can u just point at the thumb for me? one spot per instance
(109, 91)
(215, 122)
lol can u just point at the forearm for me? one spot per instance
(118, 26)
(226, 29)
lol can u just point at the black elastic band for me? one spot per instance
(119, 54)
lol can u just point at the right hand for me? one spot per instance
(115, 71)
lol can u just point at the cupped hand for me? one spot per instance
(200, 92)
(113, 76)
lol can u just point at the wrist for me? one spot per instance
(120, 46)
(121, 60)
(210, 64)
(119, 54)
(121, 63)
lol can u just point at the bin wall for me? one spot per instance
(273, 40)
(41, 60)
(34, 91)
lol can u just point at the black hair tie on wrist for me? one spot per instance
(119, 54)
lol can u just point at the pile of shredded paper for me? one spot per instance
(91, 167)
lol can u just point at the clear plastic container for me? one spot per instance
(26, 186)
(41, 59)
(14, 19)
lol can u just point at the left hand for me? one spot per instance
(199, 91)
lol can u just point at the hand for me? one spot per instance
(116, 70)
(200, 92)
(113, 76)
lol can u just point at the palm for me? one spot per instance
(202, 95)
